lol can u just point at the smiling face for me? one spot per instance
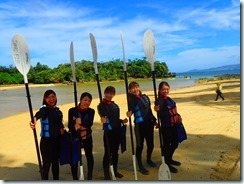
(164, 90)
(51, 100)
(85, 102)
(134, 88)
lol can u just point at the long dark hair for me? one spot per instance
(161, 85)
(46, 94)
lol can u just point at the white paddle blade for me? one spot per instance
(94, 52)
(163, 171)
(112, 172)
(149, 47)
(81, 173)
(123, 48)
(21, 56)
(72, 61)
(134, 166)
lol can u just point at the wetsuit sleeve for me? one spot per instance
(101, 110)
(41, 113)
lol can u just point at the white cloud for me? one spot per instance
(49, 28)
(204, 58)
(226, 18)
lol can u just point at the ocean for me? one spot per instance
(208, 74)
(14, 101)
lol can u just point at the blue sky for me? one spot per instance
(194, 34)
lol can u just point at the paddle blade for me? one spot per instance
(134, 166)
(164, 172)
(112, 172)
(21, 56)
(81, 177)
(149, 47)
(123, 48)
(94, 52)
(72, 61)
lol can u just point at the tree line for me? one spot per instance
(108, 71)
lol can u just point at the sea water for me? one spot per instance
(14, 101)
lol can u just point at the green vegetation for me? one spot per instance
(108, 71)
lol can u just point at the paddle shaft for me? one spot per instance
(130, 123)
(159, 123)
(34, 130)
(75, 95)
(150, 51)
(99, 88)
(105, 131)
(127, 97)
(76, 111)
(94, 53)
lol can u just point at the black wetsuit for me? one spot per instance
(87, 117)
(51, 123)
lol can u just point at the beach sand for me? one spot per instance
(211, 152)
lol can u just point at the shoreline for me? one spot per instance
(197, 81)
(211, 152)
(18, 86)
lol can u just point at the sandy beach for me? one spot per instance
(211, 152)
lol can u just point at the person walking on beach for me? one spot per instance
(110, 117)
(140, 106)
(80, 121)
(168, 115)
(218, 90)
(52, 128)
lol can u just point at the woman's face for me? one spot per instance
(85, 102)
(164, 90)
(51, 100)
(135, 90)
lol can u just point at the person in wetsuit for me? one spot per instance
(52, 128)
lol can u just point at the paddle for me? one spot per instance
(150, 52)
(72, 62)
(21, 56)
(94, 54)
(126, 88)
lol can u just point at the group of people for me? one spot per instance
(80, 122)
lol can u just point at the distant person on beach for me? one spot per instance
(140, 106)
(168, 115)
(79, 124)
(109, 112)
(218, 90)
(52, 128)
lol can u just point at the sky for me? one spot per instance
(193, 34)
